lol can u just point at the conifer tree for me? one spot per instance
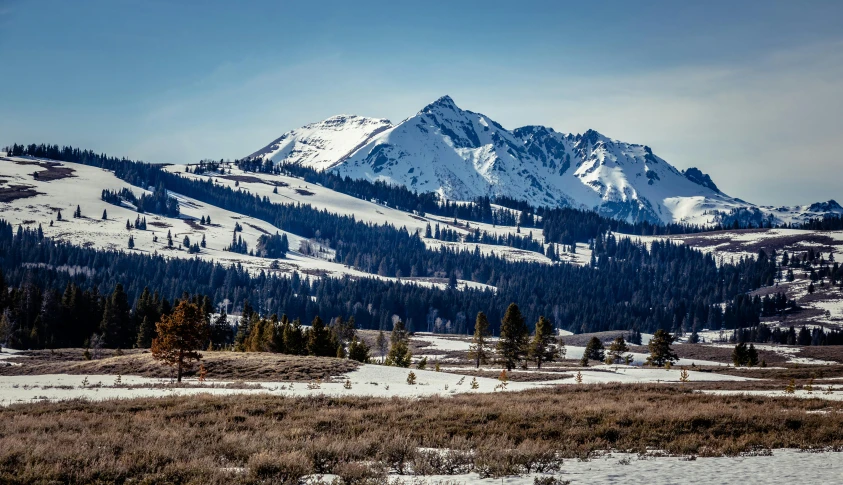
(751, 356)
(104, 214)
(660, 351)
(543, 346)
(358, 350)
(617, 350)
(319, 341)
(740, 355)
(294, 343)
(512, 345)
(243, 328)
(180, 335)
(382, 344)
(479, 349)
(278, 334)
(146, 333)
(594, 350)
(116, 322)
(399, 349)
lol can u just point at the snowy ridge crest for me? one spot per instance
(461, 155)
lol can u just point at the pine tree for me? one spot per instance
(319, 341)
(660, 351)
(131, 242)
(739, 357)
(180, 335)
(146, 333)
(617, 350)
(116, 322)
(543, 346)
(358, 350)
(479, 349)
(104, 214)
(294, 343)
(278, 334)
(594, 350)
(243, 328)
(751, 356)
(382, 344)
(399, 349)
(512, 345)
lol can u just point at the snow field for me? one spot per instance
(85, 188)
(371, 212)
(778, 466)
(368, 380)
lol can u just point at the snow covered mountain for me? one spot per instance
(322, 145)
(461, 154)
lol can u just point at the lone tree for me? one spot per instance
(660, 351)
(594, 350)
(180, 335)
(543, 346)
(479, 349)
(512, 345)
(617, 350)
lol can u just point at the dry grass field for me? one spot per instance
(261, 439)
(219, 365)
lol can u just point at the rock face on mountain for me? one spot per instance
(461, 155)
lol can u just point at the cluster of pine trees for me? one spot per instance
(158, 202)
(787, 336)
(36, 317)
(260, 334)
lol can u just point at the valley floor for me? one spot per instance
(263, 418)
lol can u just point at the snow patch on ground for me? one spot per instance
(779, 466)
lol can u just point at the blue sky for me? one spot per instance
(749, 92)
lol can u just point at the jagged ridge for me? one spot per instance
(461, 154)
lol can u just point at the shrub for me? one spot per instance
(287, 468)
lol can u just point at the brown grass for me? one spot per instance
(194, 225)
(270, 439)
(15, 192)
(53, 170)
(254, 366)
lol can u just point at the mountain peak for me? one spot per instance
(445, 102)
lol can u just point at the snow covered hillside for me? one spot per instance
(461, 155)
(34, 192)
(282, 189)
(37, 200)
